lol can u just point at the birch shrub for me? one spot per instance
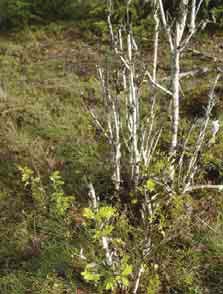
(152, 181)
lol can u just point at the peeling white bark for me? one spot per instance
(177, 44)
(104, 240)
(140, 272)
(204, 187)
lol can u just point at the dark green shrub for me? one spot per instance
(16, 13)
(52, 9)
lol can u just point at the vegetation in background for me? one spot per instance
(91, 13)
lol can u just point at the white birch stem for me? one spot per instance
(113, 42)
(104, 240)
(166, 27)
(156, 42)
(108, 254)
(199, 6)
(92, 196)
(193, 16)
(133, 115)
(202, 187)
(176, 96)
(175, 79)
(140, 272)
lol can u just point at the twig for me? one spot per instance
(140, 272)
(157, 85)
(202, 187)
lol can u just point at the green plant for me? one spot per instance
(57, 201)
(102, 226)
(60, 202)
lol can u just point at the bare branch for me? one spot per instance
(193, 161)
(140, 272)
(98, 124)
(166, 27)
(186, 41)
(181, 160)
(191, 73)
(157, 85)
(113, 42)
(199, 6)
(125, 62)
(156, 43)
(204, 187)
(204, 55)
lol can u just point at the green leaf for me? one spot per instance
(90, 276)
(88, 213)
(105, 212)
(134, 201)
(27, 174)
(56, 179)
(106, 231)
(159, 166)
(110, 283)
(150, 185)
(125, 281)
(127, 270)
